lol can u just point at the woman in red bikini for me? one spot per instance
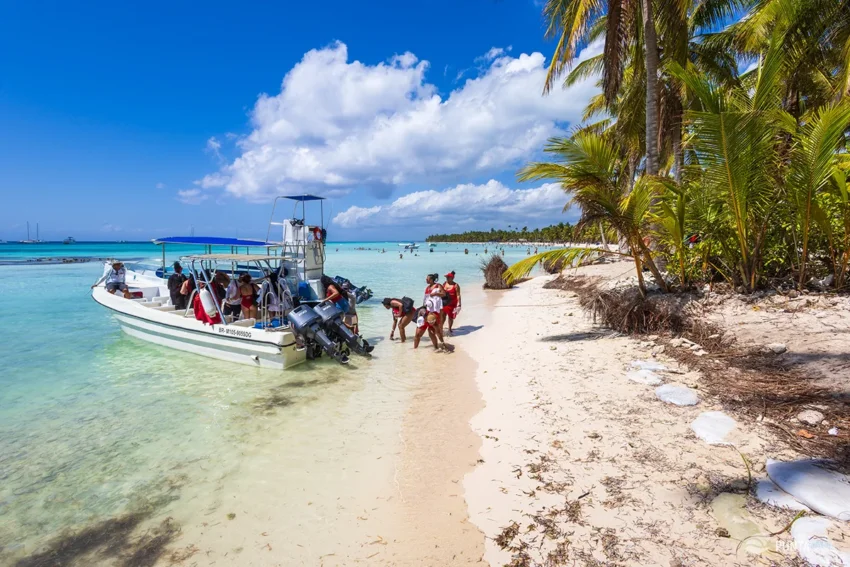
(403, 313)
(248, 293)
(451, 301)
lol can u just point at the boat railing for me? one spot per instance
(281, 292)
(204, 280)
(189, 302)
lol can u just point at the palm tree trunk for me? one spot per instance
(602, 234)
(678, 152)
(651, 47)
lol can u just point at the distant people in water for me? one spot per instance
(403, 313)
(451, 302)
(115, 280)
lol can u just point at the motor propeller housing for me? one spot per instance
(307, 323)
(332, 321)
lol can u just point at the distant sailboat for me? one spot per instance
(29, 240)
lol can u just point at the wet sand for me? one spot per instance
(374, 479)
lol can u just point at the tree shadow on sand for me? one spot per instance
(107, 540)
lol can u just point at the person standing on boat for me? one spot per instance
(248, 296)
(175, 282)
(451, 303)
(115, 280)
(232, 300)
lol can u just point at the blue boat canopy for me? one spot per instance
(211, 241)
(302, 198)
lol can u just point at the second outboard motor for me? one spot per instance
(332, 321)
(308, 324)
(361, 293)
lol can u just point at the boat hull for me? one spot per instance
(231, 343)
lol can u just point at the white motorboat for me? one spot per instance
(151, 316)
(409, 245)
(292, 324)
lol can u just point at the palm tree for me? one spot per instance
(814, 167)
(591, 171)
(576, 22)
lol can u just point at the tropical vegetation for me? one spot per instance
(560, 233)
(717, 147)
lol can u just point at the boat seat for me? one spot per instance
(245, 323)
(163, 308)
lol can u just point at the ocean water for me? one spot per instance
(95, 424)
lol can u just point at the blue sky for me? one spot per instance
(135, 120)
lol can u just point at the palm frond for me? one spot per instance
(569, 256)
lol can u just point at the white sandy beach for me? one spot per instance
(526, 446)
(591, 468)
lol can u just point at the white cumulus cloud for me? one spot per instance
(338, 125)
(462, 204)
(191, 196)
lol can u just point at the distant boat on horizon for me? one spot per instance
(29, 240)
(70, 240)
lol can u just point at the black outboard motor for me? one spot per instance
(361, 293)
(332, 321)
(308, 324)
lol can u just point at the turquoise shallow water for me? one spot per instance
(94, 423)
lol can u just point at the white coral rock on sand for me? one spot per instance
(648, 365)
(769, 493)
(647, 377)
(813, 545)
(713, 427)
(776, 348)
(811, 482)
(810, 417)
(678, 395)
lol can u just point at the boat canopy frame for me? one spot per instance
(202, 275)
(208, 242)
(298, 199)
